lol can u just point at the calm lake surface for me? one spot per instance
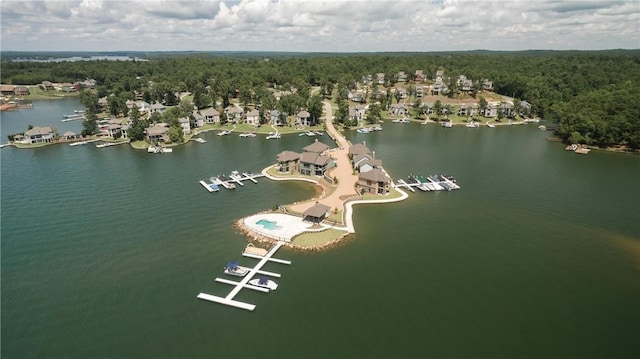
(104, 251)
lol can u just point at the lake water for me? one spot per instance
(104, 251)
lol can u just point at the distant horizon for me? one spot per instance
(313, 26)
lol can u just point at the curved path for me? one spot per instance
(343, 171)
(346, 179)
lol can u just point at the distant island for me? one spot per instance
(591, 98)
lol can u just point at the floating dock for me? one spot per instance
(429, 183)
(230, 182)
(244, 283)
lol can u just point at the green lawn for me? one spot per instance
(36, 93)
(317, 238)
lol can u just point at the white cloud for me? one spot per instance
(290, 25)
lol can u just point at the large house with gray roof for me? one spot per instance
(39, 135)
(374, 182)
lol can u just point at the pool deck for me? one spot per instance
(288, 226)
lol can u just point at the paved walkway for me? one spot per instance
(343, 171)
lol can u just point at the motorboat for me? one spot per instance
(264, 282)
(472, 124)
(233, 268)
(224, 133)
(363, 130)
(490, 125)
(310, 133)
(159, 149)
(272, 135)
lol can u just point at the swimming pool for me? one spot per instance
(270, 225)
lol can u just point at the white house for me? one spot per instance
(303, 118)
(186, 126)
(39, 135)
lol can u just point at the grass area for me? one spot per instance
(311, 239)
(36, 93)
(393, 194)
(264, 129)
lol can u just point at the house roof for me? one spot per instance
(317, 147)
(303, 114)
(39, 131)
(156, 105)
(371, 162)
(358, 148)
(253, 112)
(157, 130)
(69, 134)
(314, 158)
(375, 175)
(361, 156)
(318, 210)
(288, 156)
(7, 88)
(183, 120)
(209, 111)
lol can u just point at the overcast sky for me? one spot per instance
(318, 26)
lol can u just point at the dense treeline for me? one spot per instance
(592, 95)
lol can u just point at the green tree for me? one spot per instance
(374, 114)
(89, 125)
(315, 108)
(437, 108)
(175, 134)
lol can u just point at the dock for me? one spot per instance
(429, 183)
(83, 142)
(244, 283)
(230, 182)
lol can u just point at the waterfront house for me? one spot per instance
(102, 103)
(507, 109)
(380, 78)
(288, 162)
(317, 147)
(185, 124)
(68, 87)
(487, 85)
(21, 91)
(357, 149)
(314, 164)
(419, 91)
(365, 162)
(398, 109)
(209, 116)
(490, 111)
(253, 117)
(157, 133)
(439, 74)
(303, 118)
(47, 86)
(39, 135)
(157, 107)
(277, 118)
(113, 129)
(525, 106)
(419, 76)
(7, 90)
(468, 109)
(317, 213)
(374, 182)
(69, 135)
(234, 113)
(439, 87)
(356, 113)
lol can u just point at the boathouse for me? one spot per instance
(374, 182)
(317, 213)
(288, 162)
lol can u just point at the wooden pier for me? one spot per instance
(244, 283)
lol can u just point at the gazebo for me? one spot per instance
(316, 213)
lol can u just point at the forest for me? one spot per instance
(593, 97)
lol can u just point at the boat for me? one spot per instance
(264, 282)
(199, 140)
(542, 127)
(363, 130)
(272, 135)
(233, 268)
(472, 124)
(446, 124)
(377, 128)
(403, 120)
(582, 150)
(159, 149)
(490, 125)
(247, 134)
(572, 147)
(319, 133)
(224, 133)
(78, 111)
(310, 133)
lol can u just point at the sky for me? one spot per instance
(318, 26)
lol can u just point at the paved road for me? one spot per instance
(343, 171)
